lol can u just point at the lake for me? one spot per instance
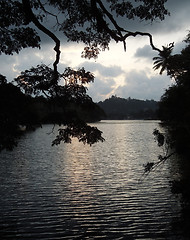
(74, 191)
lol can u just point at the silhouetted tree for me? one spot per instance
(163, 61)
(92, 22)
(174, 107)
(174, 111)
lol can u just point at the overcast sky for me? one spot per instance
(125, 74)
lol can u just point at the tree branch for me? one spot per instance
(101, 23)
(134, 34)
(118, 28)
(47, 12)
(32, 18)
(110, 16)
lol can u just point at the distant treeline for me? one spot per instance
(121, 108)
(16, 108)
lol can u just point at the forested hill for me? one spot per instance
(121, 108)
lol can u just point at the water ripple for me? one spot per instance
(81, 192)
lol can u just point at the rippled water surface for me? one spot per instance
(75, 191)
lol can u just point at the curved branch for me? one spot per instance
(32, 18)
(134, 34)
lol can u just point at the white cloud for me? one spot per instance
(101, 89)
(139, 85)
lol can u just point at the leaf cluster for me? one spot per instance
(15, 33)
(39, 81)
(144, 10)
(82, 131)
(163, 140)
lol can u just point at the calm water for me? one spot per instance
(74, 191)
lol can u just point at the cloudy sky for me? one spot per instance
(125, 74)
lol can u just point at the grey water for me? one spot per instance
(74, 191)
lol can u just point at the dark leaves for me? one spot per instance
(148, 167)
(14, 34)
(14, 40)
(82, 131)
(39, 81)
(73, 77)
(90, 52)
(163, 62)
(144, 10)
(159, 137)
(36, 80)
(88, 21)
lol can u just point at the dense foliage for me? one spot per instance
(174, 107)
(92, 22)
(174, 111)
